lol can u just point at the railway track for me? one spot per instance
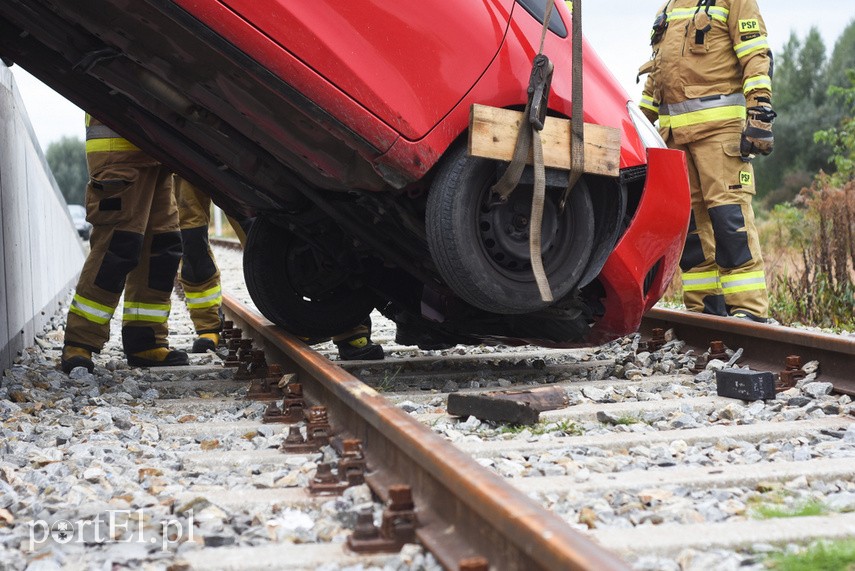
(647, 467)
(661, 468)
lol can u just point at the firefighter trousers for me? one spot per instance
(199, 275)
(723, 270)
(135, 248)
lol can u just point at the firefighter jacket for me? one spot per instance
(710, 58)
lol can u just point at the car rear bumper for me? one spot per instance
(642, 264)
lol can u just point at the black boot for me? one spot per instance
(359, 348)
(206, 342)
(159, 357)
(748, 316)
(407, 334)
(73, 357)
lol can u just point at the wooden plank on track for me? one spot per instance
(493, 135)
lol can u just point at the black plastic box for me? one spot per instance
(745, 384)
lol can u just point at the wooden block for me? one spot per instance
(484, 407)
(514, 407)
(493, 135)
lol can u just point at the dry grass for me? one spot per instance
(809, 250)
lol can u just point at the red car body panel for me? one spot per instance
(392, 110)
(303, 78)
(504, 84)
(661, 216)
(399, 60)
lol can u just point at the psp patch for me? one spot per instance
(749, 26)
(746, 178)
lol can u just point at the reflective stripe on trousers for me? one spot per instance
(207, 298)
(91, 310)
(152, 312)
(701, 281)
(744, 281)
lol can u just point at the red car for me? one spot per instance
(342, 127)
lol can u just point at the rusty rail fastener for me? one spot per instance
(791, 374)
(272, 414)
(657, 339)
(717, 350)
(295, 436)
(318, 429)
(318, 433)
(244, 350)
(250, 362)
(397, 528)
(266, 388)
(231, 360)
(324, 482)
(293, 405)
(258, 368)
(295, 443)
(231, 333)
(225, 331)
(352, 465)
(293, 409)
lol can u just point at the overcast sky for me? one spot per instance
(618, 30)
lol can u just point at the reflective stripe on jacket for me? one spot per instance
(697, 111)
(101, 138)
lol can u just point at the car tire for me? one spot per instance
(480, 246)
(277, 268)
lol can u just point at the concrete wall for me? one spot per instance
(40, 252)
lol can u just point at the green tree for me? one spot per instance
(800, 85)
(842, 137)
(67, 160)
(800, 72)
(842, 58)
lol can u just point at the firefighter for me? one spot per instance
(710, 87)
(200, 278)
(135, 249)
(198, 274)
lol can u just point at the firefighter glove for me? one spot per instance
(757, 136)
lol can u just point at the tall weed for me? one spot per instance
(810, 249)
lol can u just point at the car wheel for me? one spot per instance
(296, 286)
(481, 245)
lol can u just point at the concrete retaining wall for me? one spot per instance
(40, 252)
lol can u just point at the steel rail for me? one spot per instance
(464, 510)
(230, 243)
(765, 346)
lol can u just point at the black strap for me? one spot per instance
(700, 35)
